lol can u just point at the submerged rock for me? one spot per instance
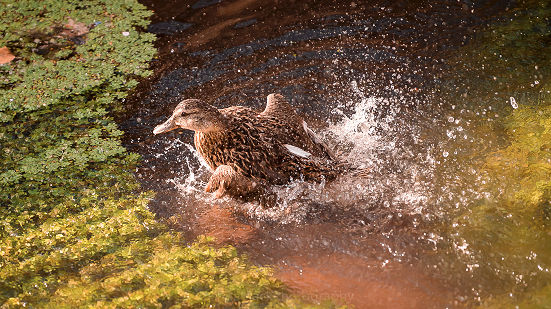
(168, 27)
(204, 3)
(245, 23)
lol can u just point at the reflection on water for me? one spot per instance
(366, 77)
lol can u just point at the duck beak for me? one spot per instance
(168, 125)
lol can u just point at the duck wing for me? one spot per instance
(278, 107)
(263, 148)
(291, 129)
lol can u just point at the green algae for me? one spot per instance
(511, 56)
(504, 242)
(517, 227)
(500, 241)
(527, 159)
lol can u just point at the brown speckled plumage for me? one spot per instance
(245, 146)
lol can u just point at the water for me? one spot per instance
(369, 79)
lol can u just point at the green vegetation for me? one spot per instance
(508, 238)
(513, 56)
(527, 159)
(74, 230)
(162, 272)
(58, 141)
(503, 242)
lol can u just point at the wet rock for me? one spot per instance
(204, 3)
(245, 23)
(168, 27)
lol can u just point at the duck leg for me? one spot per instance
(226, 180)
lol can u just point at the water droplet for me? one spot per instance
(513, 102)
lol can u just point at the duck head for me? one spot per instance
(193, 114)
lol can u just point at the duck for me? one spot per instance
(248, 151)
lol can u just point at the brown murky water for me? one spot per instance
(363, 73)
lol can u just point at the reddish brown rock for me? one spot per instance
(5, 55)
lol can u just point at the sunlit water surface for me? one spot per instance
(366, 78)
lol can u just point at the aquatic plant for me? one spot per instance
(502, 241)
(517, 224)
(74, 230)
(58, 140)
(511, 56)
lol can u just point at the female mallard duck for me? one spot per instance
(249, 150)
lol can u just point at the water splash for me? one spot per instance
(395, 188)
(192, 184)
(513, 102)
